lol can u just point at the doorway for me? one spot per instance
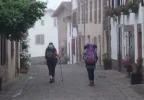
(139, 40)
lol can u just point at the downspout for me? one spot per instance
(143, 37)
(102, 30)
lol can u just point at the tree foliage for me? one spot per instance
(17, 16)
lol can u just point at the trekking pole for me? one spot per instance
(61, 70)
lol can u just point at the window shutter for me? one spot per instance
(36, 39)
(74, 19)
(82, 13)
(42, 39)
(99, 11)
(95, 16)
(118, 2)
(91, 11)
(73, 46)
(142, 2)
(78, 13)
(112, 4)
(95, 40)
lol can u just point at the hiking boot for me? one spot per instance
(51, 81)
(90, 84)
(93, 83)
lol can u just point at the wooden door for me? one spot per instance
(139, 40)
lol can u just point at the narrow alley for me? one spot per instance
(109, 85)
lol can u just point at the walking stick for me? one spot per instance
(61, 70)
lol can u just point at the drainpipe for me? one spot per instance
(143, 37)
(84, 25)
(143, 28)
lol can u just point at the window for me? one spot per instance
(91, 11)
(95, 12)
(99, 11)
(70, 29)
(42, 22)
(112, 4)
(89, 39)
(86, 12)
(3, 49)
(82, 14)
(142, 2)
(12, 49)
(78, 14)
(75, 18)
(95, 40)
(55, 22)
(40, 39)
(118, 2)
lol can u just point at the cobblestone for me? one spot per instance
(109, 85)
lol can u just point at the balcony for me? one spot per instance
(129, 7)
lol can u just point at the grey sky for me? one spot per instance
(54, 3)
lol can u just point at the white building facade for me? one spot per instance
(127, 33)
(44, 32)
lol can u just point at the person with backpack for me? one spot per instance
(51, 59)
(90, 58)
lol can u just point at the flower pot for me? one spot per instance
(129, 68)
(136, 78)
(0, 83)
(126, 13)
(107, 65)
(126, 65)
(117, 14)
(134, 9)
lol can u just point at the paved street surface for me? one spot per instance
(109, 85)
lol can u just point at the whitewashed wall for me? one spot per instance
(49, 31)
(69, 42)
(74, 31)
(132, 19)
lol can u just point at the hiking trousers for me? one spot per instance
(51, 67)
(90, 74)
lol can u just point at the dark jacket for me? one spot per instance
(51, 60)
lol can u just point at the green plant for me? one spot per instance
(124, 9)
(117, 11)
(106, 59)
(109, 12)
(137, 67)
(24, 55)
(17, 16)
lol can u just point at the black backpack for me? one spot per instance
(50, 53)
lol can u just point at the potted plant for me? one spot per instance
(25, 62)
(107, 62)
(135, 6)
(136, 76)
(117, 11)
(126, 64)
(24, 57)
(124, 9)
(109, 12)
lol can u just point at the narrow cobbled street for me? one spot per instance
(109, 85)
